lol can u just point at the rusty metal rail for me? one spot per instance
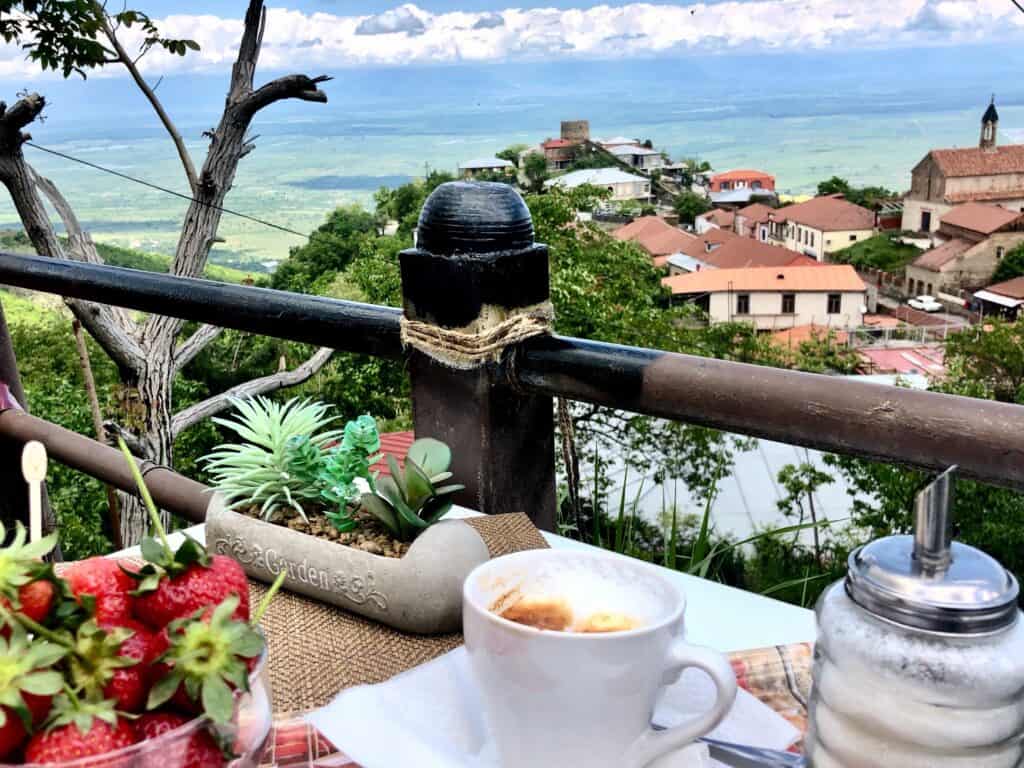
(921, 429)
(170, 491)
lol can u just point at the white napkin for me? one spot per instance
(432, 716)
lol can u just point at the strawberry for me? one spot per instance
(36, 599)
(184, 590)
(26, 685)
(79, 730)
(103, 581)
(199, 751)
(112, 661)
(24, 578)
(205, 661)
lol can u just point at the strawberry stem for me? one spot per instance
(38, 629)
(154, 515)
(265, 602)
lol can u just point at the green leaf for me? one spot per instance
(396, 475)
(435, 509)
(383, 511)
(432, 455)
(248, 644)
(48, 683)
(152, 550)
(218, 701)
(162, 691)
(417, 485)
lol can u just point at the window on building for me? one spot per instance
(726, 185)
(930, 290)
(853, 238)
(828, 242)
(835, 303)
(742, 303)
(926, 221)
(1000, 252)
(756, 185)
(789, 303)
(813, 238)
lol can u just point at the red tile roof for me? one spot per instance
(397, 444)
(937, 258)
(979, 217)
(719, 216)
(974, 161)
(556, 143)
(740, 174)
(755, 212)
(830, 213)
(828, 277)
(1014, 288)
(733, 252)
(654, 235)
(794, 337)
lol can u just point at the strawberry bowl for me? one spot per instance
(178, 741)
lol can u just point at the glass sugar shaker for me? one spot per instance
(920, 654)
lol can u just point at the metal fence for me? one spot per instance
(477, 251)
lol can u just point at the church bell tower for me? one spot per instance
(989, 123)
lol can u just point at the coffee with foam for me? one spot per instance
(580, 596)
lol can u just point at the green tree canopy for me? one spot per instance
(1011, 265)
(689, 205)
(511, 153)
(865, 196)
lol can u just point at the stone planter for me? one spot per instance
(420, 592)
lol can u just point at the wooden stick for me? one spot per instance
(97, 425)
(33, 467)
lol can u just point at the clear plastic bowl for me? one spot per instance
(249, 731)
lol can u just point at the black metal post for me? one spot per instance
(476, 258)
(14, 498)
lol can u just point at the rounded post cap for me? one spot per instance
(474, 217)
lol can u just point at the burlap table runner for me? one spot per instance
(316, 650)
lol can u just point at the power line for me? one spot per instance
(165, 190)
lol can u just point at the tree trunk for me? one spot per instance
(150, 419)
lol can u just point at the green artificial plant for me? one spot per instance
(408, 501)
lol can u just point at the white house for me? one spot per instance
(622, 185)
(775, 298)
(472, 168)
(641, 158)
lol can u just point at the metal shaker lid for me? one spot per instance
(927, 581)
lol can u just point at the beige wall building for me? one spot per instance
(976, 238)
(820, 226)
(945, 178)
(776, 298)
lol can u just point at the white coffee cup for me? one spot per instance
(570, 699)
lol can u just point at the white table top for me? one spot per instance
(718, 616)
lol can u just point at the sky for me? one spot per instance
(336, 34)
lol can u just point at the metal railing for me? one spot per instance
(499, 417)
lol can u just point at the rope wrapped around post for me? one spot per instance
(483, 341)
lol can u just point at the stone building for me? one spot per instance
(976, 237)
(988, 173)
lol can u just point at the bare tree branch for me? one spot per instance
(214, 405)
(80, 244)
(20, 180)
(299, 87)
(150, 94)
(195, 344)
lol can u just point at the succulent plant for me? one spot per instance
(344, 464)
(270, 470)
(408, 501)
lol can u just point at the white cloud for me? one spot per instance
(408, 34)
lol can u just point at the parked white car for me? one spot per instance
(925, 304)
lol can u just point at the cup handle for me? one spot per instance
(653, 744)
